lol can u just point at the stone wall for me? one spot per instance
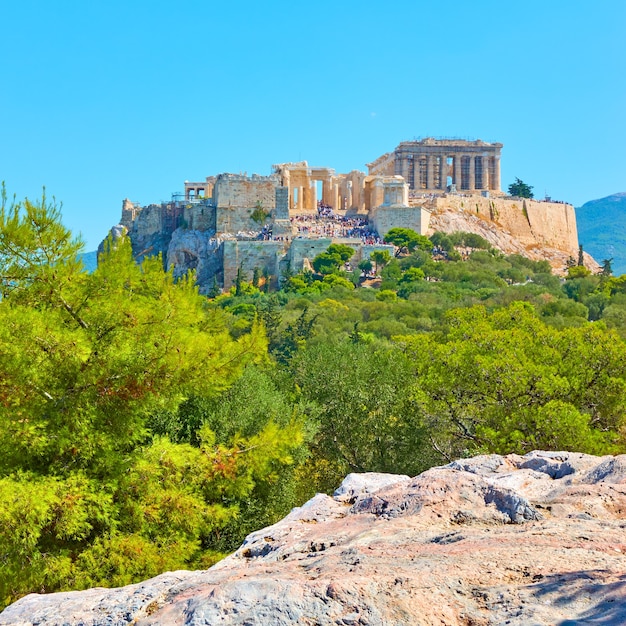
(200, 216)
(266, 255)
(236, 197)
(385, 218)
(302, 249)
(146, 220)
(273, 256)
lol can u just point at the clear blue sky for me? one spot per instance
(105, 100)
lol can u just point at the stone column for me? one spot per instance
(486, 160)
(495, 183)
(430, 171)
(443, 170)
(405, 168)
(314, 194)
(326, 191)
(458, 178)
(335, 202)
(417, 183)
(349, 194)
(378, 193)
(472, 173)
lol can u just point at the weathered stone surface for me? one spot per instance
(510, 232)
(518, 540)
(195, 250)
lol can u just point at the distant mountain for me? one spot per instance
(602, 230)
(90, 260)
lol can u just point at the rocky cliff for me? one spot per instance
(531, 238)
(518, 540)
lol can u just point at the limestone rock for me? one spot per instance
(518, 540)
(449, 220)
(195, 250)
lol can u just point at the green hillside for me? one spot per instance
(602, 229)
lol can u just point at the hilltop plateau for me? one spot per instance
(518, 540)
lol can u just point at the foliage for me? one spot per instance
(406, 239)
(380, 258)
(367, 421)
(344, 252)
(85, 360)
(366, 266)
(145, 428)
(520, 189)
(505, 382)
(259, 214)
(330, 261)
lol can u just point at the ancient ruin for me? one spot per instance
(282, 221)
(439, 165)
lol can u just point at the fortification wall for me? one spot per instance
(266, 255)
(199, 217)
(554, 224)
(272, 256)
(236, 197)
(384, 218)
(244, 192)
(302, 248)
(147, 221)
(531, 222)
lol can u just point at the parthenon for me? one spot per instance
(440, 165)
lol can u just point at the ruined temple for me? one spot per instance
(282, 221)
(439, 165)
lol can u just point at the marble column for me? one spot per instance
(458, 178)
(486, 160)
(430, 171)
(326, 191)
(495, 184)
(417, 183)
(301, 205)
(443, 170)
(314, 195)
(405, 169)
(472, 173)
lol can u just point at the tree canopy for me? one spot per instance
(520, 189)
(406, 239)
(144, 427)
(90, 495)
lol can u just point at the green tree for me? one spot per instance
(330, 261)
(367, 421)
(366, 266)
(406, 239)
(344, 252)
(520, 189)
(380, 258)
(607, 267)
(506, 382)
(85, 361)
(326, 263)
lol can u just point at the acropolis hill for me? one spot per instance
(285, 219)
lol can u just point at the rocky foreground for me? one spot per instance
(519, 540)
